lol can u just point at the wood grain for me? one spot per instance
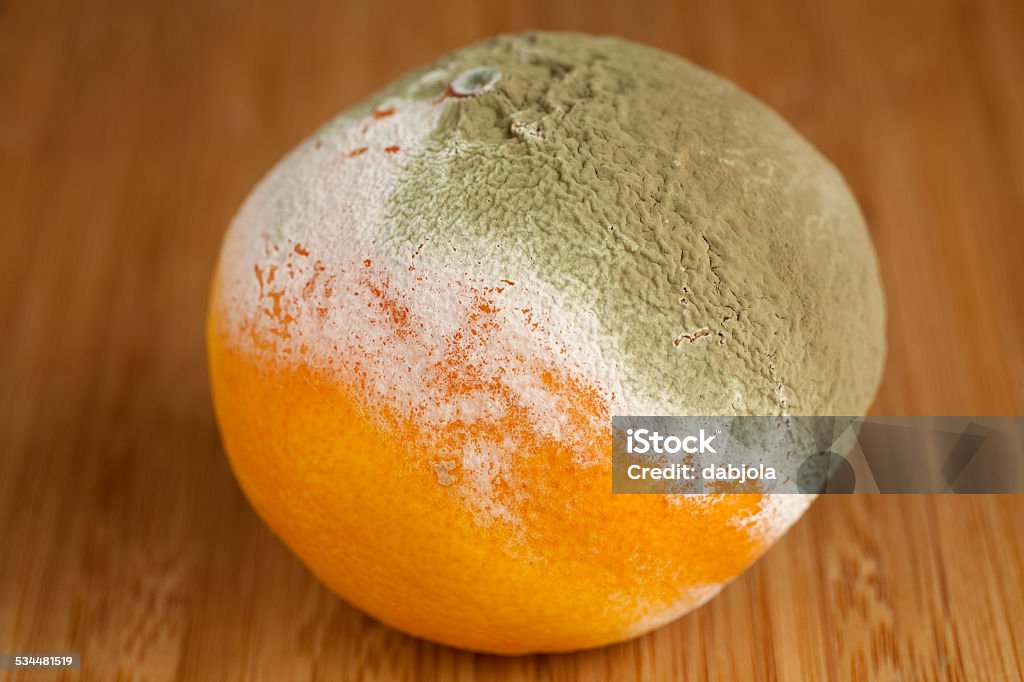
(130, 132)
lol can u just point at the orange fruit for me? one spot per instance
(424, 317)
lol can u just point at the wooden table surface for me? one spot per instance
(130, 131)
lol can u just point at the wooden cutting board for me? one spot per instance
(130, 131)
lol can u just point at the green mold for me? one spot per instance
(721, 251)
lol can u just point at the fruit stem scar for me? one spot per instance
(475, 81)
